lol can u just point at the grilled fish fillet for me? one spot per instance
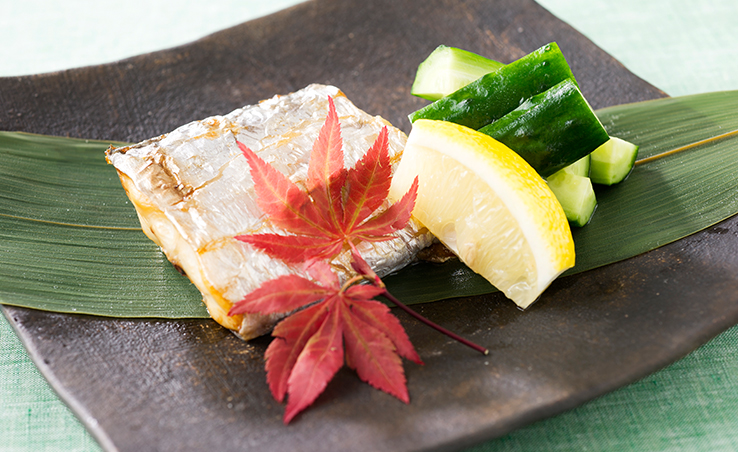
(193, 193)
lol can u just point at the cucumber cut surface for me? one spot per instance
(550, 130)
(580, 167)
(576, 196)
(613, 161)
(447, 69)
(494, 95)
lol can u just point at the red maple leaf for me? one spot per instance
(329, 323)
(337, 323)
(335, 211)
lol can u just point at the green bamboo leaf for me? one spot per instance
(71, 241)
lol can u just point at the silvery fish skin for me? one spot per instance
(193, 193)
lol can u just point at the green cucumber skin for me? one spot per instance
(551, 130)
(494, 95)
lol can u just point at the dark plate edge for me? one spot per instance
(77, 408)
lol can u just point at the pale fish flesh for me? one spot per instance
(193, 193)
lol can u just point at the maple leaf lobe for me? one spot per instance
(321, 221)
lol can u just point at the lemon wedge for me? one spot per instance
(488, 206)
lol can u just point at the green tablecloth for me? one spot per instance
(681, 46)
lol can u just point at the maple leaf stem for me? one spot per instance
(351, 282)
(435, 326)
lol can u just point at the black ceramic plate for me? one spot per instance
(144, 385)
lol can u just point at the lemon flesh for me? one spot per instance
(488, 206)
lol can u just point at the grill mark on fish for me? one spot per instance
(165, 176)
(215, 178)
(216, 125)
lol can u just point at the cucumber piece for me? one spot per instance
(580, 167)
(493, 95)
(613, 161)
(550, 130)
(576, 196)
(447, 69)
